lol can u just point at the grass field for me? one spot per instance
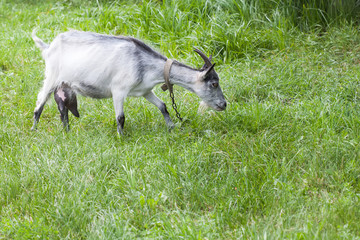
(282, 162)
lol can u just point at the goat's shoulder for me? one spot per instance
(145, 48)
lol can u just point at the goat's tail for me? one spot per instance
(38, 42)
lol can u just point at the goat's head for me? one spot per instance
(208, 87)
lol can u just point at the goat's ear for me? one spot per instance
(209, 69)
(205, 72)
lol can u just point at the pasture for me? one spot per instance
(281, 162)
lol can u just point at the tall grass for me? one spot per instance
(232, 29)
(237, 27)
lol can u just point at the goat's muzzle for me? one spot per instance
(221, 106)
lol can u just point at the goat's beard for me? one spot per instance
(203, 107)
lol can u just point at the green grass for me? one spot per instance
(282, 162)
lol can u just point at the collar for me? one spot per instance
(167, 68)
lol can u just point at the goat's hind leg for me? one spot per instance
(64, 116)
(42, 98)
(59, 96)
(66, 100)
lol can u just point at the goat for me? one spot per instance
(104, 66)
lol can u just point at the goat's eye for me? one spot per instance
(215, 85)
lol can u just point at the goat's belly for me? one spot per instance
(91, 90)
(138, 93)
(140, 90)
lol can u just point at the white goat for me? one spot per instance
(104, 66)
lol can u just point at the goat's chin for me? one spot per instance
(204, 106)
(218, 109)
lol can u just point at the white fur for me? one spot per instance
(104, 66)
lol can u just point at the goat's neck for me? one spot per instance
(180, 74)
(183, 76)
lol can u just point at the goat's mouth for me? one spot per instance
(217, 106)
(220, 107)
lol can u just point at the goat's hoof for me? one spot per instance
(171, 127)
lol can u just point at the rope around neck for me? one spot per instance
(169, 86)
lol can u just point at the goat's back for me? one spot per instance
(88, 62)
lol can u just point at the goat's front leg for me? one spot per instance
(120, 120)
(119, 111)
(151, 97)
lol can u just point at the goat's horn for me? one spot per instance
(203, 56)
